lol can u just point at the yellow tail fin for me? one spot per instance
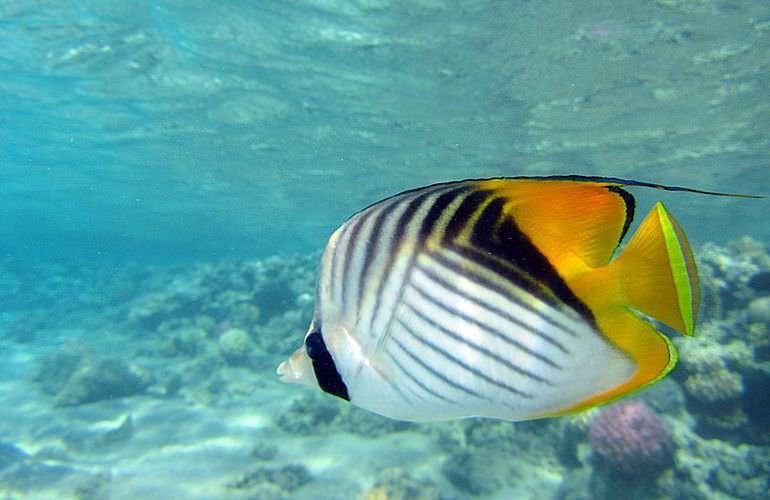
(657, 272)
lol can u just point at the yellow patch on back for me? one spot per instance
(574, 224)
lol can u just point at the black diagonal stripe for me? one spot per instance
(435, 373)
(457, 361)
(335, 275)
(371, 246)
(496, 287)
(630, 203)
(495, 333)
(406, 217)
(402, 224)
(350, 249)
(427, 227)
(446, 283)
(484, 229)
(400, 229)
(516, 277)
(519, 249)
(463, 214)
(498, 234)
(416, 380)
(437, 210)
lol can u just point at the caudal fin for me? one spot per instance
(658, 274)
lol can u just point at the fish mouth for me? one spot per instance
(284, 371)
(297, 369)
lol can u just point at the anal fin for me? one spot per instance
(650, 350)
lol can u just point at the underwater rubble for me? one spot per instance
(273, 482)
(73, 375)
(207, 337)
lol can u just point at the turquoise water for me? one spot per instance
(170, 171)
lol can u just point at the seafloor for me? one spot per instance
(158, 382)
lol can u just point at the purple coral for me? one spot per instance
(631, 438)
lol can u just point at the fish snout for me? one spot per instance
(297, 369)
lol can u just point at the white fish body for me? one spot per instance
(437, 304)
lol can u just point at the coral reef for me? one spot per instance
(486, 456)
(725, 373)
(94, 487)
(227, 295)
(99, 379)
(190, 341)
(631, 439)
(711, 468)
(397, 484)
(713, 387)
(760, 281)
(236, 346)
(727, 274)
(273, 481)
(264, 451)
(469, 471)
(574, 431)
(75, 376)
(759, 310)
(211, 335)
(309, 414)
(315, 413)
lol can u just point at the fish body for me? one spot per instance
(499, 298)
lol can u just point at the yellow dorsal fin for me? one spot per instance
(573, 223)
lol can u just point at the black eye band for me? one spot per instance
(326, 373)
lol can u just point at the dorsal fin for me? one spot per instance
(573, 223)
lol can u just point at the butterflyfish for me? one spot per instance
(505, 298)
